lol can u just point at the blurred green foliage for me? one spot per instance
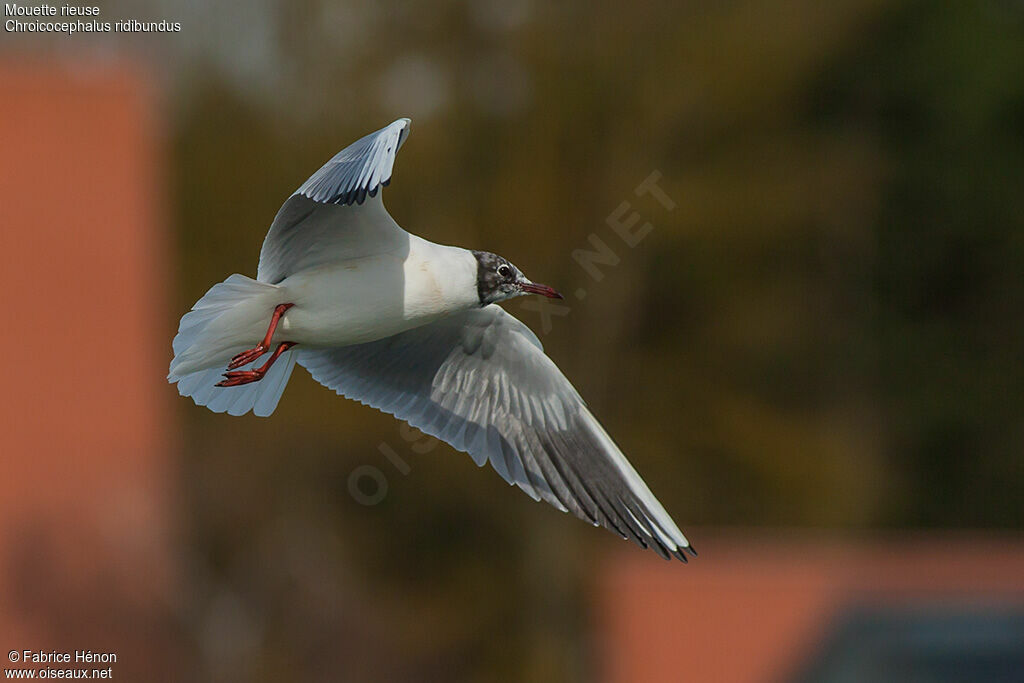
(825, 331)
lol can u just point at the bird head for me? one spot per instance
(497, 280)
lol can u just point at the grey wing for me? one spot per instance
(359, 170)
(480, 381)
(337, 213)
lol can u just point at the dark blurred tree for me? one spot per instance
(941, 89)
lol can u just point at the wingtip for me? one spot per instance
(680, 555)
(404, 133)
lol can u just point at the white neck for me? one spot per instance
(439, 279)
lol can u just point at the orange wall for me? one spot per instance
(753, 606)
(86, 440)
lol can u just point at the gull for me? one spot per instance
(413, 329)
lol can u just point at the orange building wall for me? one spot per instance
(86, 441)
(753, 607)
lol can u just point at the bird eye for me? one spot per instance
(504, 271)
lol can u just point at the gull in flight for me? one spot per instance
(413, 329)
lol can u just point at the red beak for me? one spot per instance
(543, 290)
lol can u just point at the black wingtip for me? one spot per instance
(680, 555)
(691, 550)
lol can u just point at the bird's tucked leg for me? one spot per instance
(239, 377)
(248, 356)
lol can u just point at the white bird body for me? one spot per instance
(411, 328)
(373, 297)
(350, 301)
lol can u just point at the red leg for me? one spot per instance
(252, 354)
(239, 377)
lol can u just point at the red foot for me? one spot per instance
(248, 356)
(240, 377)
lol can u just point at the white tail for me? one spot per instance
(231, 317)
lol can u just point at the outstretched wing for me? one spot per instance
(337, 214)
(359, 170)
(480, 381)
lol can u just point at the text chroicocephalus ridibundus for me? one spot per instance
(411, 328)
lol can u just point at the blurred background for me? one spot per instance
(813, 356)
